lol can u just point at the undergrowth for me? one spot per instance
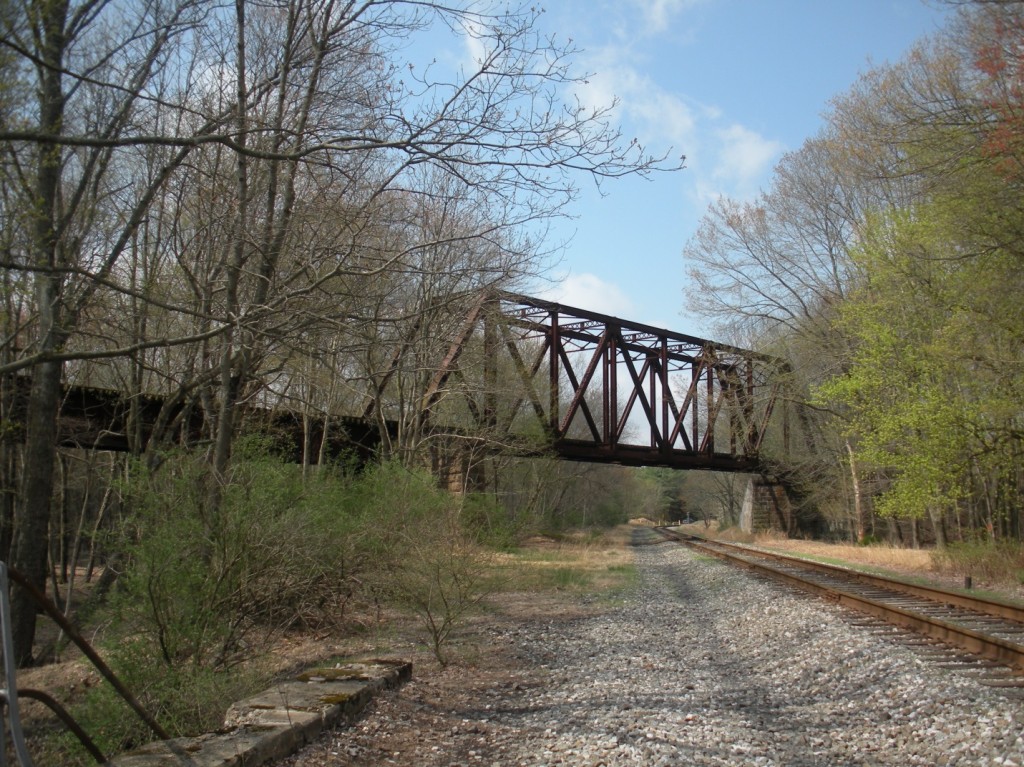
(1000, 562)
(212, 570)
(205, 588)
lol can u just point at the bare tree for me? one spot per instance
(90, 78)
(173, 184)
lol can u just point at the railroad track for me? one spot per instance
(986, 629)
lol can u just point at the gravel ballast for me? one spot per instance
(700, 664)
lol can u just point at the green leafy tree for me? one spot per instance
(932, 384)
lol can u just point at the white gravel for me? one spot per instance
(706, 665)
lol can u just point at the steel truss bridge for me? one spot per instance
(604, 389)
(541, 377)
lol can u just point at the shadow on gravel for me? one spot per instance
(645, 536)
(728, 689)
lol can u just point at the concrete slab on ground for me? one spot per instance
(278, 721)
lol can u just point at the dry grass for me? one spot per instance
(997, 571)
(579, 562)
(879, 555)
(998, 562)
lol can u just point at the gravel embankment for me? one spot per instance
(702, 665)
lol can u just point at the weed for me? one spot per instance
(185, 700)
(569, 578)
(993, 561)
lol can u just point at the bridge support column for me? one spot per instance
(458, 469)
(766, 506)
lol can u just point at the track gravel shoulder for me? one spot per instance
(701, 664)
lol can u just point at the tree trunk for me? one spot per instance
(230, 383)
(935, 517)
(10, 446)
(33, 515)
(895, 532)
(858, 504)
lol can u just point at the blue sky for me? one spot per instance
(732, 84)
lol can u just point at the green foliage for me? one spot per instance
(548, 495)
(602, 497)
(926, 391)
(202, 591)
(274, 554)
(426, 548)
(885, 262)
(185, 700)
(383, 502)
(490, 523)
(992, 561)
(442, 578)
(283, 551)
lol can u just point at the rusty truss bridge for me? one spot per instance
(598, 388)
(533, 377)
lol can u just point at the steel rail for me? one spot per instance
(993, 607)
(974, 642)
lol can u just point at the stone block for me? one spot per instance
(277, 722)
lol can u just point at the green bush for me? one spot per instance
(425, 548)
(274, 554)
(442, 577)
(184, 700)
(282, 551)
(204, 585)
(489, 522)
(992, 561)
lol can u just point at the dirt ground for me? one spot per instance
(448, 705)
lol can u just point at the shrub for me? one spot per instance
(185, 700)
(489, 522)
(277, 551)
(274, 554)
(442, 577)
(426, 559)
(993, 561)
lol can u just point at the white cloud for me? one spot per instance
(745, 154)
(737, 163)
(724, 159)
(659, 14)
(476, 49)
(590, 292)
(655, 115)
(745, 159)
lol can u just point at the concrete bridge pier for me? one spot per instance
(766, 506)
